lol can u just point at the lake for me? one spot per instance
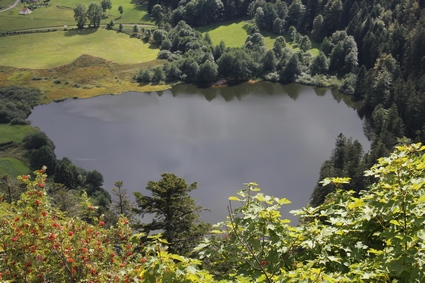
(275, 135)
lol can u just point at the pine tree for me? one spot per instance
(174, 212)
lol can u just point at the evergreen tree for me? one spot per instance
(291, 71)
(207, 72)
(319, 65)
(295, 13)
(346, 161)
(361, 82)
(174, 212)
(318, 32)
(305, 43)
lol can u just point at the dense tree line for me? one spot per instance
(70, 179)
(16, 103)
(92, 14)
(391, 76)
(372, 50)
(375, 50)
(192, 58)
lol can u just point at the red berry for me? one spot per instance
(70, 260)
(263, 263)
(102, 223)
(70, 233)
(44, 213)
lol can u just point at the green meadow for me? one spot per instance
(15, 133)
(13, 167)
(46, 50)
(61, 12)
(9, 164)
(5, 3)
(235, 33)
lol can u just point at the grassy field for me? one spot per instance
(8, 163)
(47, 50)
(235, 33)
(14, 133)
(232, 33)
(61, 12)
(5, 3)
(12, 167)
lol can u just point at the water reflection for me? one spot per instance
(275, 135)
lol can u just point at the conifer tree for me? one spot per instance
(174, 212)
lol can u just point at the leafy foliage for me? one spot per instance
(16, 103)
(39, 243)
(377, 236)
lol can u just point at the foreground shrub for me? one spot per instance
(39, 243)
(378, 236)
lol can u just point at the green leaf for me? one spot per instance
(284, 201)
(234, 198)
(176, 257)
(395, 222)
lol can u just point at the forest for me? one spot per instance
(364, 222)
(373, 51)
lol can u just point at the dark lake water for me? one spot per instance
(275, 135)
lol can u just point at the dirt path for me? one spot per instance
(11, 7)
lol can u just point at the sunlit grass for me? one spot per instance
(13, 167)
(61, 12)
(6, 3)
(46, 50)
(15, 133)
(232, 33)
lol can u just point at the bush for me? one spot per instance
(37, 140)
(40, 243)
(375, 237)
(164, 54)
(19, 121)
